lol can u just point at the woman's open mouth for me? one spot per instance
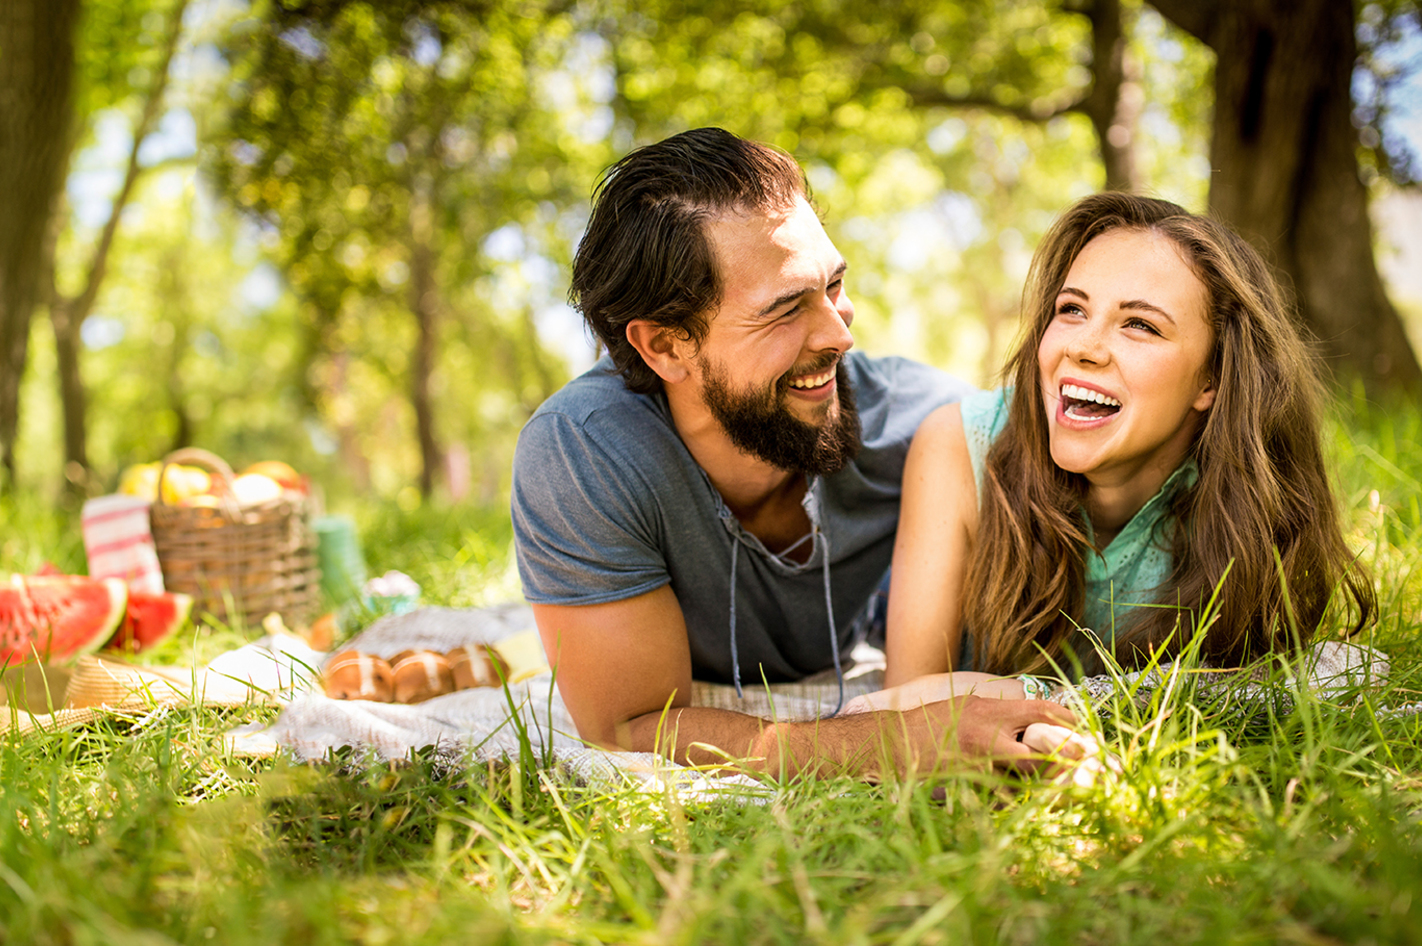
(1081, 403)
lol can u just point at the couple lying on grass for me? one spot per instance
(718, 499)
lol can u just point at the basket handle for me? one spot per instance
(196, 456)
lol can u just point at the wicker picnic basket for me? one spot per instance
(238, 563)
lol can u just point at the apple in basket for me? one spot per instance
(180, 483)
(282, 473)
(253, 489)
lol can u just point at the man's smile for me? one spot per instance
(811, 381)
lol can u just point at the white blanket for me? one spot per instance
(486, 723)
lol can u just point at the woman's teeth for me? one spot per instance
(1077, 393)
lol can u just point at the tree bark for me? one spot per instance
(36, 102)
(424, 304)
(67, 314)
(1284, 153)
(71, 387)
(1114, 103)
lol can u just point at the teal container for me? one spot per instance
(342, 563)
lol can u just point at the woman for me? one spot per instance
(1159, 442)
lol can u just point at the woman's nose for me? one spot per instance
(1088, 345)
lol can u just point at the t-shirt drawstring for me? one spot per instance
(834, 633)
(735, 660)
(829, 610)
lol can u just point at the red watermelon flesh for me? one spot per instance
(57, 617)
(151, 619)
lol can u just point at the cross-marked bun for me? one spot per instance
(351, 675)
(475, 665)
(421, 676)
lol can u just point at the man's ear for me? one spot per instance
(662, 349)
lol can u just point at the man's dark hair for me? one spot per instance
(646, 254)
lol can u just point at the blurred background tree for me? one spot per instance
(383, 145)
(338, 232)
(36, 102)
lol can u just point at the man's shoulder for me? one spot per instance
(894, 394)
(598, 391)
(596, 430)
(894, 372)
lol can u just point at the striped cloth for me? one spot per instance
(118, 541)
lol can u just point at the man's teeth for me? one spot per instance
(813, 381)
(1078, 393)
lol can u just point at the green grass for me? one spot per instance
(1302, 829)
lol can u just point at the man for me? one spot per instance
(717, 498)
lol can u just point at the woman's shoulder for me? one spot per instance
(986, 410)
(984, 416)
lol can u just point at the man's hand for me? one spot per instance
(624, 670)
(950, 735)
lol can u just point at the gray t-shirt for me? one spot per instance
(609, 504)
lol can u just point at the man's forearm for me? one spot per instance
(864, 744)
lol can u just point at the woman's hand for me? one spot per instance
(1073, 756)
(935, 688)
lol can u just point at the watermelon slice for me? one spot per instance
(57, 617)
(151, 619)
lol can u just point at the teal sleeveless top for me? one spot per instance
(1129, 571)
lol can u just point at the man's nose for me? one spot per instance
(831, 331)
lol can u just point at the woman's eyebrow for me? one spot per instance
(1139, 304)
(1142, 304)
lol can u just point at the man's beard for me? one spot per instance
(760, 423)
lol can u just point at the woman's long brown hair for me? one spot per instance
(1262, 490)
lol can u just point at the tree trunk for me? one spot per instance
(36, 79)
(174, 300)
(68, 314)
(71, 386)
(1114, 102)
(1284, 154)
(424, 303)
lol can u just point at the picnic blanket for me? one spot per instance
(490, 722)
(484, 723)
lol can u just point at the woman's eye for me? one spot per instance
(1143, 325)
(1069, 308)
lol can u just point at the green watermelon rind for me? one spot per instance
(16, 605)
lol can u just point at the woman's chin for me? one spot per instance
(1072, 462)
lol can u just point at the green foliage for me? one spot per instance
(117, 49)
(417, 173)
(1385, 29)
(379, 146)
